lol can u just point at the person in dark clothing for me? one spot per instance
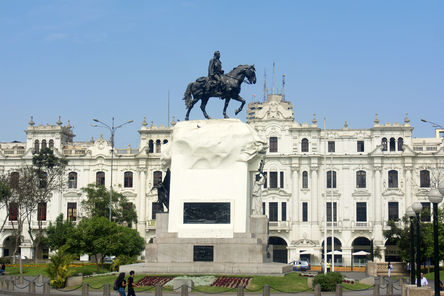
(121, 284)
(2, 269)
(131, 284)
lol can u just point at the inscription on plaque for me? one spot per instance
(206, 213)
(203, 253)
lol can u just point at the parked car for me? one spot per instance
(300, 265)
(109, 259)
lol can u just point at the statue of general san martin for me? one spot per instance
(219, 85)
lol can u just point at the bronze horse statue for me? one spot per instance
(229, 88)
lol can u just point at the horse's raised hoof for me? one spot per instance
(237, 111)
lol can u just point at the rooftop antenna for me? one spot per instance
(283, 86)
(168, 123)
(273, 77)
(265, 85)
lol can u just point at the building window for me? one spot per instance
(361, 212)
(263, 208)
(51, 144)
(150, 146)
(400, 144)
(128, 179)
(273, 142)
(43, 182)
(157, 177)
(43, 144)
(331, 179)
(36, 146)
(273, 180)
(273, 211)
(165, 141)
(14, 182)
(281, 179)
(392, 144)
(360, 146)
(329, 212)
(426, 212)
(158, 146)
(393, 213)
(41, 211)
(72, 211)
(266, 180)
(284, 211)
(13, 211)
(304, 211)
(384, 144)
(100, 178)
(424, 179)
(72, 180)
(361, 179)
(393, 179)
(331, 146)
(304, 179)
(156, 208)
(304, 145)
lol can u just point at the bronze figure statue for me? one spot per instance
(163, 192)
(220, 85)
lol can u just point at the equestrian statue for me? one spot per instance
(219, 85)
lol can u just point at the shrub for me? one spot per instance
(328, 281)
(58, 267)
(5, 260)
(122, 260)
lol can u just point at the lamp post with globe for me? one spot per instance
(435, 197)
(411, 215)
(417, 208)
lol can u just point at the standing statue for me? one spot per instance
(163, 192)
(220, 85)
(260, 179)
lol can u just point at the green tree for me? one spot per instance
(97, 205)
(428, 236)
(99, 237)
(58, 233)
(58, 268)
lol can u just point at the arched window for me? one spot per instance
(360, 179)
(331, 179)
(392, 144)
(150, 146)
(158, 143)
(43, 144)
(51, 143)
(304, 145)
(304, 179)
(165, 141)
(384, 144)
(273, 144)
(400, 144)
(14, 182)
(393, 179)
(424, 178)
(157, 177)
(72, 180)
(128, 179)
(36, 146)
(100, 178)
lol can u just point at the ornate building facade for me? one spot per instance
(351, 180)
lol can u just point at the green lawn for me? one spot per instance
(37, 269)
(431, 275)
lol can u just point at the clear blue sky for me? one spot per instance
(345, 60)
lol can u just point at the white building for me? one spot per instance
(367, 176)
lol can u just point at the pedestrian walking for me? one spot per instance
(120, 284)
(131, 284)
(389, 268)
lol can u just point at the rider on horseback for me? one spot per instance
(214, 72)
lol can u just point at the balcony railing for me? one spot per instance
(279, 225)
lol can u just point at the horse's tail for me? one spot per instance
(187, 96)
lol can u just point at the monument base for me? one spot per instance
(245, 253)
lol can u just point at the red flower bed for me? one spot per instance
(231, 282)
(154, 280)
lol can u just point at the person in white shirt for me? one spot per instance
(424, 281)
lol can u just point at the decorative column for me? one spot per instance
(314, 195)
(295, 195)
(408, 186)
(377, 197)
(142, 197)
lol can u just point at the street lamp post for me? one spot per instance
(435, 196)
(417, 207)
(112, 130)
(411, 215)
